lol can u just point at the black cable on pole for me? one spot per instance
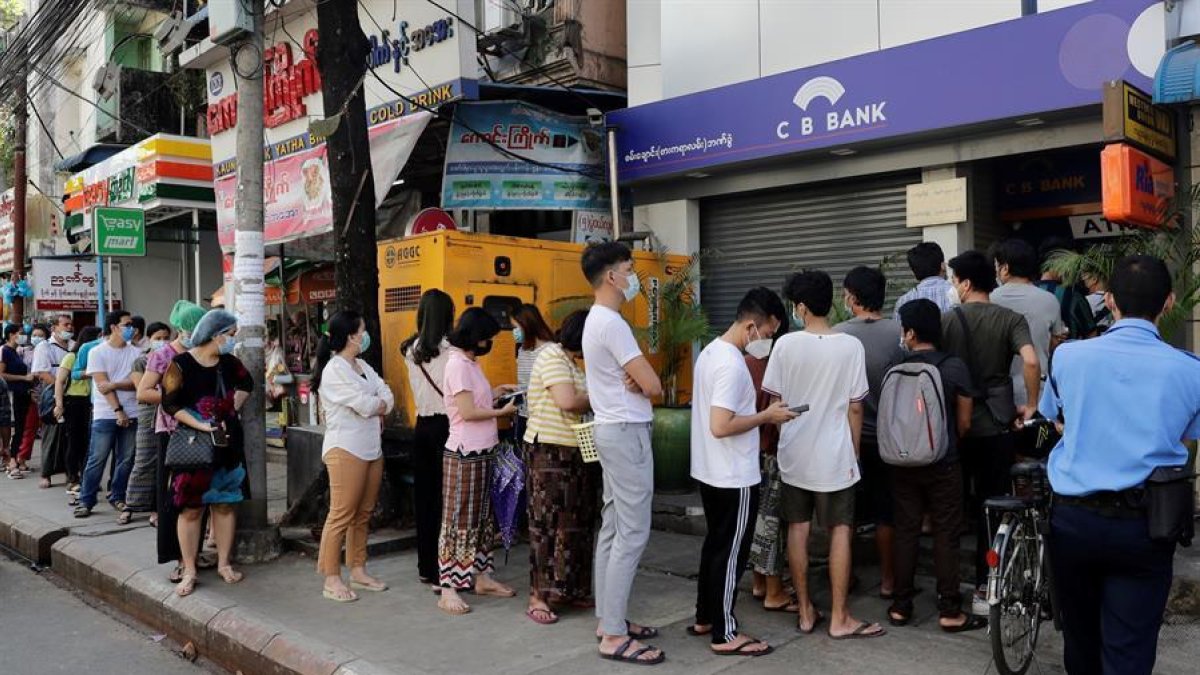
(46, 129)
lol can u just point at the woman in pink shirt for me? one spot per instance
(465, 545)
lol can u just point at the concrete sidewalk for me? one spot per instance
(277, 622)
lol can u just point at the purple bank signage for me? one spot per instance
(1051, 61)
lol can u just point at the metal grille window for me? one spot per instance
(401, 299)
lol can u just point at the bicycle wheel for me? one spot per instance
(1013, 622)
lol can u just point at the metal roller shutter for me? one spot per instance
(761, 237)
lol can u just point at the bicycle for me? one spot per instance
(1019, 581)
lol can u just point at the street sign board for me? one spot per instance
(119, 232)
(1130, 116)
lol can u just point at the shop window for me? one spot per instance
(401, 299)
(502, 308)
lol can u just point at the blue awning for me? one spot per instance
(88, 158)
(1178, 77)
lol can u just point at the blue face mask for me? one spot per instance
(365, 344)
(127, 333)
(227, 346)
(518, 335)
(36, 340)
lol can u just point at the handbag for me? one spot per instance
(46, 401)
(191, 448)
(998, 398)
(1169, 501)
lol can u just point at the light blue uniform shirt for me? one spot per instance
(1129, 401)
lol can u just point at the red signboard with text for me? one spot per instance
(1137, 188)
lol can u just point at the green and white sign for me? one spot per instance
(119, 232)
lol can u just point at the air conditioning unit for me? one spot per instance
(107, 80)
(229, 21)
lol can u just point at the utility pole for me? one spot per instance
(342, 60)
(20, 185)
(258, 541)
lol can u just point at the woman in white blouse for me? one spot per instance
(425, 355)
(354, 401)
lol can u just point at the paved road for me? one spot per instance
(48, 629)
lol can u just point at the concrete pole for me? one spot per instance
(20, 186)
(257, 540)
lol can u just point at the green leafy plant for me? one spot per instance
(682, 321)
(1179, 247)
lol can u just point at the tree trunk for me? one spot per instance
(342, 60)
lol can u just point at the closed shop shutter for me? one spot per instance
(761, 237)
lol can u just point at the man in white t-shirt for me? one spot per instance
(725, 447)
(114, 412)
(818, 453)
(621, 383)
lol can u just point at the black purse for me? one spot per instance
(189, 448)
(1170, 504)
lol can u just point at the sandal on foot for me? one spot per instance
(542, 616)
(341, 595)
(186, 585)
(743, 651)
(454, 611)
(230, 575)
(972, 623)
(645, 633)
(635, 657)
(899, 615)
(125, 517)
(377, 587)
(176, 575)
(790, 607)
(860, 633)
(817, 621)
(696, 632)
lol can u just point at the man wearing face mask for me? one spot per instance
(114, 402)
(865, 289)
(725, 462)
(621, 383)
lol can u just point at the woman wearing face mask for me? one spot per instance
(564, 492)
(73, 403)
(425, 356)
(140, 493)
(354, 401)
(531, 334)
(15, 373)
(768, 552)
(465, 546)
(204, 389)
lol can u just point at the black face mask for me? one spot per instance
(482, 351)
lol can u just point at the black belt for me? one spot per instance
(1122, 504)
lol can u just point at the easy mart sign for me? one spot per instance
(119, 232)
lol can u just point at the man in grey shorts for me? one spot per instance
(621, 383)
(818, 451)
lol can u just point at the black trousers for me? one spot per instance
(429, 442)
(1111, 584)
(936, 490)
(77, 411)
(986, 461)
(730, 514)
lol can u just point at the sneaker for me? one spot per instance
(979, 603)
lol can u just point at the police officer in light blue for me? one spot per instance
(1128, 401)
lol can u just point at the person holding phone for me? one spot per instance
(204, 389)
(354, 401)
(468, 531)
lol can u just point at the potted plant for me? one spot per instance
(682, 323)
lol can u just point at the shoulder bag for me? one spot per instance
(46, 402)
(430, 380)
(192, 448)
(997, 398)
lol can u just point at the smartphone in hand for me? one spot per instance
(220, 439)
(799, 409)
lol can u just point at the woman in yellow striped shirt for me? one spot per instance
(563, 490)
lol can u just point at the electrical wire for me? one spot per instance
(92, 103)
(49, 135)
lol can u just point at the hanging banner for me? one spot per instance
(297, 200)
(69, 285)
(482, 172)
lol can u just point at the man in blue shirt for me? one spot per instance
(1128, 401)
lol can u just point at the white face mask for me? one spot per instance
(156, 345)
(635, 286)
(759, 349)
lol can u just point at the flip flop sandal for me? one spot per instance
(176, 575)
(820, 618)
(374, 588)
(542, 616)
(73, 501)
(898, 616)
(790, 608)
(465, 609)
(125, 517)
(972, 623)
(691, 630)
(230, 575)
(333, 595)
(635, 658)
(646, 633)
(186, 585)
(859, 633)
(742, 651)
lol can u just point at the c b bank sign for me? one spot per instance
(833, 117)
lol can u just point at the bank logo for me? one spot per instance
(216, 83)
(819, 87)
(829, 117)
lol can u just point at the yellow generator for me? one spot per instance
(498, 274)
